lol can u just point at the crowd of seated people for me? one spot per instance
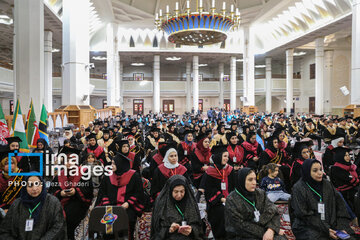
(239, 165)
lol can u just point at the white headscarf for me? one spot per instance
(335, 142)
(166, 162)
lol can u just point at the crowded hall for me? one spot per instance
(179, 119)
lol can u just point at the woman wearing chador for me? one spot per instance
(249, 214)
(317, 210)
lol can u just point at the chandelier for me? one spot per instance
(199, 27)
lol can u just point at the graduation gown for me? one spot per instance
(305, 219)
(76, 206)
(250, 152)
(99, 154)
(198, 162)
(8, 193)
(162, 174)
(116, 190)
(236, 155)
(328, 158)
(295, 172)
(184, 152)
(212, 181)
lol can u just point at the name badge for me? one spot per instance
(257, 216)
(183, 223)
(321, 210)
(223, 186)
(29, 225)
(234, 159)
(185, 152)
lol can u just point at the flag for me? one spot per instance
(4, 131)
(43, 124)
(32, 128)
(18, 129)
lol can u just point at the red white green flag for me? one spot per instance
(32, 127)
(4, 131)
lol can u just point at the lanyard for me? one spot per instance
(315, 192)
(172, 172)
(222, 175)
(31, 211)
(251, 203)
(182, 215)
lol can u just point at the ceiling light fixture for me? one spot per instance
(296, 54)
(99, 58)
(203, 65)
(260, 66)
(205, 28)
(239, 60)
(138, 64)
(55, 50)
(173, 58)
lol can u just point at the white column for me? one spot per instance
(188, 86)
(251, 80)
(196, 83)
(221, 83)
(328, 73)
(111, 33)
(355, 56)
(319, 76)
(245, 63)
(289, 79)
(29, 59)
(48, 71)
(14, 56)
(233, 83)
(75, 77)
(156, 94)
(117, 80)
(121, 84)
(268, 84)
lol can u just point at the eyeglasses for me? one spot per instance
(32, 184)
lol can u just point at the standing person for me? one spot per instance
(217, 182)
(185, 149)
(35, 215)
(318, 211)
(249, 214)
(123, 188)
(176, 214)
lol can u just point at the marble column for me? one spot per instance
(196, 83)
(245, 64)
(117, 80)
(75, 77)
(121, 84)
(319, 76)
(355, 56)
(268, 88)
(111, 52)
(328, 73)
(251, 80)
(233, 83)
(188, 86)
(48, 87)
(221, 85)
(29, 53)
(289, 80)
(156, 93)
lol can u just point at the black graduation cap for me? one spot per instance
(349, 117)
(230, 135)
(341, 119)
(308, 120)
(97, 123)
(87, 130)
(134, 124)
(69, 150)
(4, 153)
(155, 129)
(67, 128)
(219, 149)
(90, 136)
(126, 130)
(105, 131)
(297, 147)
(111, 129)
(219, 127)
(171, 124)
(233, 123)
(13, 139)
(188, 131)
(201, 136)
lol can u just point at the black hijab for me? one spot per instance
(306, 175)
(182, 203)
(340, 155)
(250, 136)
(122, 164)
(229, 135)
(240, 183)
(30, 202)
(270, 143)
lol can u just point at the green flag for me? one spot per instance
(18, 129)
(4, 131)
(43, 124)
(32, 129)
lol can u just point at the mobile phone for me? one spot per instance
(342, 235)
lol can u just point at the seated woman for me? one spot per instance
(300, 154)
(252, 151)
(200, 158)
(176, 214)
(185, 149)
(217, 182)
(236, 152)
(317, 209)
(328, 158)
(249, 214)
(35, 215)
(9, 185)
(123, 188)
(343, 175)
(169, 168)
(74, 192)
